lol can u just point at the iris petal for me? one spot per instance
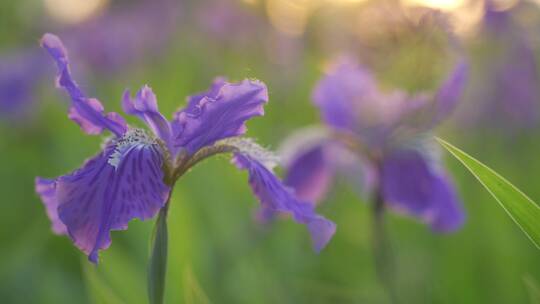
(276, 197)
(123, 182)
(310, 174)
(144, 105)
(450, 91)
(86, 112)
(46, 189)
(220, 114)
(410, 185)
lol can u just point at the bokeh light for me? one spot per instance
(446, 5)
(74, 11)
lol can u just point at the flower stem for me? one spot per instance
(157, 267)
(382, 249)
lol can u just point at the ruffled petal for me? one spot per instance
(46, 189)
(219, 115)
(123, 182)
(412, 186)
(212, 92)
(276, 197)
(144, 105)
(86, 112)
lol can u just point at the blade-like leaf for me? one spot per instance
(524, 212)
(158, 259)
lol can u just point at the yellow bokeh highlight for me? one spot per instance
(289, 16)
(444, 5)
(74, 11)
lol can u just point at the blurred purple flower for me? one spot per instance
(107, 43)
(506, 87)
(19, 76)
(228, 22)
(134, 173)
(388, 132)
(125, 35)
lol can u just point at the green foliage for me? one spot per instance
(524, 212)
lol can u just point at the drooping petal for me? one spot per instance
(123, 182)
(220, 116)
(412, 186)
(87, 112)
(310, 167)
(144, 105)
(310, 174)
(314, 157)
(276, 197)
(450, 214)
(46, 189)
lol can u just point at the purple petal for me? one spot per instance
(123, 182)
(46, 189)
(310, 174)
(87, 112)
(144, 105)
(218, 115)
(350, 100)
(212, 92)
(450, 92)
(411, 186)
(274, 196)
(337, 93)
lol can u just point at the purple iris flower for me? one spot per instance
(132, 176)
(507, 87)
(384, 136)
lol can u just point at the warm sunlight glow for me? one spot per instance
(465, 15)
(74, 11)
(467, 18)
(289, 16)
(445, 5)
(344, 2)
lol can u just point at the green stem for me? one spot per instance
(157, 267)
(382, 249)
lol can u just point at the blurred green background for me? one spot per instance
(218, 252)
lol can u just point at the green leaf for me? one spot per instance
(158, 259)
(524, 212)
